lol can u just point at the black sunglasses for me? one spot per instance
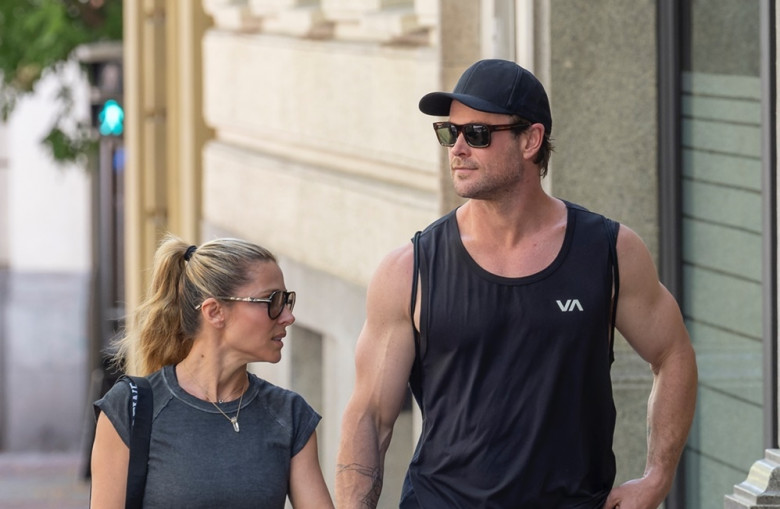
(276, 302)
(476, 135)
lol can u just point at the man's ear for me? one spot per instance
(212, 312)
(534, 137)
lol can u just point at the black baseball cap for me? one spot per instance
(495, 86)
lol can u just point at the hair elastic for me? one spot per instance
(188, 252)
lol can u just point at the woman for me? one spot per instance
(221, 437)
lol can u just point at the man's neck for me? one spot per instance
(513, 243)
(508, 222)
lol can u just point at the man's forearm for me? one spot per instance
(358, 485)
(670, 413)
(359, 471)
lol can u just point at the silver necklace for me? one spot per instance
(233, 420)
(227, 398)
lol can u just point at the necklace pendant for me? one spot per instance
(234, 420)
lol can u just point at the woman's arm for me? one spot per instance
(110, 457)
(307, 486)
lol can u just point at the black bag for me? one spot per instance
(141, 405)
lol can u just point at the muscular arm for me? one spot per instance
(383, 359)
(650, 320)
(109, 461)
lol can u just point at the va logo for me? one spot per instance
(569, 305)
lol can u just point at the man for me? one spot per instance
(500, 318)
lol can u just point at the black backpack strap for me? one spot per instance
(612, 233)
(141, 405)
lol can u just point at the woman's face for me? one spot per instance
(249, 331)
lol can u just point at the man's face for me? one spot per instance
(486, 173)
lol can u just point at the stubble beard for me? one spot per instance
(487, 185)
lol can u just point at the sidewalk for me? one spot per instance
(42, 481)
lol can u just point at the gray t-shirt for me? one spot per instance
(197, 460)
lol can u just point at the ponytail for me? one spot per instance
(183, 276)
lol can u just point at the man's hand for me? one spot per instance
(636, 494)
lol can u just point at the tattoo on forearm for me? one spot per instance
(370, 499)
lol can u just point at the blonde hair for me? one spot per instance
(183, 276)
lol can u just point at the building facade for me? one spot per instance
(294, 124)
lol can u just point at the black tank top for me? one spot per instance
(513, 375)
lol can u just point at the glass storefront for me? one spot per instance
(722, 241)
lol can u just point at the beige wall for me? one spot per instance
(324, 141)
(164, 129)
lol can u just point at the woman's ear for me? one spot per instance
(212, 312)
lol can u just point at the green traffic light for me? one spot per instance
(111, 118)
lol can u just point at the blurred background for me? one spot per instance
(294, 124)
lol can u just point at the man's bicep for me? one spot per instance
(648, 316)
(384, 352)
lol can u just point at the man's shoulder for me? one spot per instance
(581, 209)
(439, 223)
(584, 214)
